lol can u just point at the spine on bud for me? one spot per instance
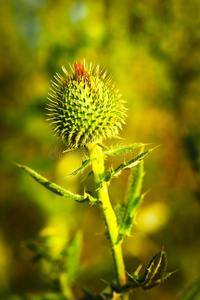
(85, 107)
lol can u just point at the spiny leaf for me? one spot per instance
(192, 292)
(134, 184)
(53, 187)
(154, 274)
(92, 200)
(84, 165)
(126, 165)
(127, 222)
(133, 201)
(126, 214)
(116, 150)
(155, 271)
(133, 280)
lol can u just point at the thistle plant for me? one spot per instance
(85, 108)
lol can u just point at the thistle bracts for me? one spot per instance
(85, 106)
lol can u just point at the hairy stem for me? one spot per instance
(97, 159)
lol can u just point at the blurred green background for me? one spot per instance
(152, 48)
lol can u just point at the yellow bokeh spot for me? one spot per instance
(67, 163)
(56, 234)
(152, 217)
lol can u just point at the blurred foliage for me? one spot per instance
(152, 48)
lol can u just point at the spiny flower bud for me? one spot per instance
(85, 106)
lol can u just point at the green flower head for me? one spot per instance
(84, 106)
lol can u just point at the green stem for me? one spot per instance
(65, 288)
(97, 160)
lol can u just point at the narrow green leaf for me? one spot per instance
(192, 292)
(133, 196)
(116, 150)
(133, 200)
(70, 258)
(127, 222)
(53, 187)
(119, 212)
(84, 165)
(127, 165)
(134, 191)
